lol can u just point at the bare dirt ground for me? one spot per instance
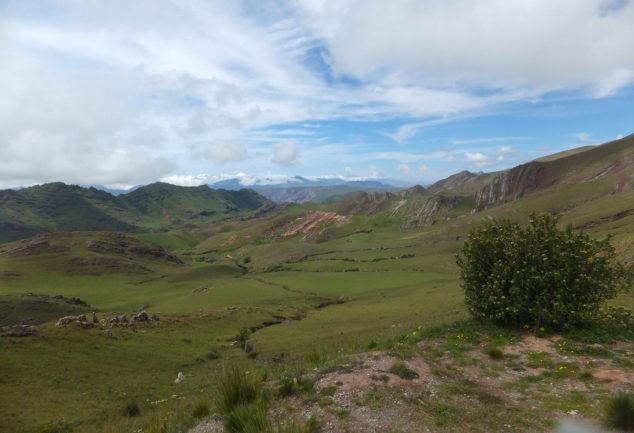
(531, 385)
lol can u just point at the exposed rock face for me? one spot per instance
(369, 203)
(512, 185)
(462, 183)
(313, 220)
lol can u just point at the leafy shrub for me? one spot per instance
(131, 408)
(246, 260)
(619, 412)
(235, 389)
(538, 275)
(403, 371)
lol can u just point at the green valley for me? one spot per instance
(275, 290)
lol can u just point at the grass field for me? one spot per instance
(363, 284)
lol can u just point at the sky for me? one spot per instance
(128, 92)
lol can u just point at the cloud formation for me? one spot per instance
(122, 93)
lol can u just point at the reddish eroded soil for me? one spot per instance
(313, 220)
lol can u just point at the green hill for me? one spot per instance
(57, 207)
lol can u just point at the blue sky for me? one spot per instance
(121, 93)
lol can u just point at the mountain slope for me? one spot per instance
(57, 207)
(614, 159)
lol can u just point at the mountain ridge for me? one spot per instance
(57, 207)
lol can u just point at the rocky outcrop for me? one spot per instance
(143, 316)
(512, 185)
(79, 320)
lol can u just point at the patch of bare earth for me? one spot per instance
(314, 220)
(535, 383)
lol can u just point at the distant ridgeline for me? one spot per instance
(57, 207)
(574, 179)
(557, 183)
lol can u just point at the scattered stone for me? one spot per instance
(141, 317)
(66, 320)
(154, 318)
(94, 318)
(120, 321)
(180, 377)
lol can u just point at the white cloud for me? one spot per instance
(494, 44)
(285, 153)
(122, 93)
(220, 151)
(477, 158)
(405, 169)
(583, 136)
(423, 169)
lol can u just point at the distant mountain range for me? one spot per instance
(562, 181)
(298, 189)
(60, 207)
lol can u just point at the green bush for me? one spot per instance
(538, 275)
(619, 412)
(246, 260)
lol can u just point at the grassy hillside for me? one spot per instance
(309, 288)
(57, 207)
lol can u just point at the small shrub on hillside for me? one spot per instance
(619, 412)
(235, 389)
(250, 418)
(538, 275)
(201, 410)
(403, 371)
(294, 384)
(495, 353)
(131, 408)
(246, 260)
